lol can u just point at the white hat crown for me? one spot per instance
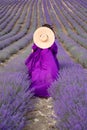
(44, 37)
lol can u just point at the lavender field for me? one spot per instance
(18, 21)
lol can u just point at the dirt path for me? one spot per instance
(41, 117)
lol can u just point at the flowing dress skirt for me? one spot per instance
(43, 69)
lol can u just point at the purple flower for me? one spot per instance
(70, 101)
(69, 92)
(15, 101)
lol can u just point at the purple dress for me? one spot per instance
(43, 69)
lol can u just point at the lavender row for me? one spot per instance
(4, 11)
(41, 14)
(80, 40)
(77, 38)
(10, 41)
(15, 37)
(77, 19)
(5, 5)
(46, 12)
(15, 100)
(11, 24)
(77, 12)
(61, 17)
(73, 47)
(24, 12)
(5, 2)
(83, 3)
(68, 18)
(11, 15)
(28, 18)
(4, 24)
(76, 26)
(10, 27)
(14, 31)
(51, 12)
(78, 7)
(14, 48)
(16, 8)
(69, 93)
(81, 8)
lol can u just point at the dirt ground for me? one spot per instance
(42, 117)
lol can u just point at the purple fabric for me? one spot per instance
(43, 68)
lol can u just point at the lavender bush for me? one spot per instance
(69, 92)
(15, 100)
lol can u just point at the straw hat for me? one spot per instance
(43, 37)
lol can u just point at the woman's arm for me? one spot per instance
(34, 48)
(54, 48)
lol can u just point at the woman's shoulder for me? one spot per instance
(54, 45)
(35, 46)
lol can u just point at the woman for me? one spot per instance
(42, 63)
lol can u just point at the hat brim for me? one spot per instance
(40, 31)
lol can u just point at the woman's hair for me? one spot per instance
(49, 26)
